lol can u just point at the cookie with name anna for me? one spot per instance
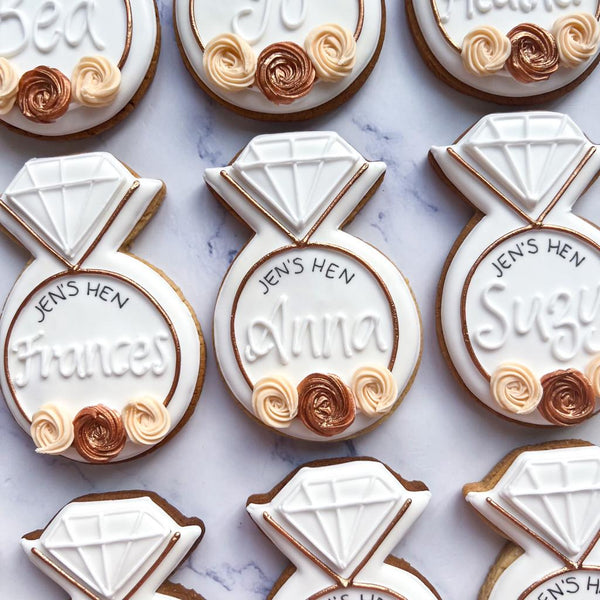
(508, 51)
(73, 68)
(338, 522)
(519, 299)
(281, 60)
(544, 500)
(317, 334)
(116, 546)
(103, 358)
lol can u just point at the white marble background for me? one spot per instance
(438, 435)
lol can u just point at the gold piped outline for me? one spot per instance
(451, 42)
(570, 565)
(73, 266)
(101, 273)
(342, 582)
(305, 246)
(194, 25)
(63, 573)
(533, 224)
(128, 34)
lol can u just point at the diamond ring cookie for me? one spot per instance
(70, 68)
(317, 333)
(103, 358)
(545, 500)
(280, 59)
(508, 51)
(338, 522)
(519, 297)
(116, 546)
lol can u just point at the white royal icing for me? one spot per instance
(268, 21)
(547, 503)
(349, 516)
(445, 23)
(58, 33)
(113, 330)
(329, 307)
(533, 297)
(112, 549)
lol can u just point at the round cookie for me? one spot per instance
(279, 59)
(337, 522)
(544, 499)
(519, 317)
(117, 545)
(508, 51)
(103, 358)
(317, 333)
(72, 68)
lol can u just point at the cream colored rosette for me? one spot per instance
(485, 50)
(593, 374)
(146, 421)
(275, 401)
(577, 37)
(9, 86)
(515, 388)
(375, 390)
(230, 62)
(95, 81)
(52, 430)
(332, 51)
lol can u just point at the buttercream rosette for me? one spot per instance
(230, 62)
(275, 401)
(485, 50)
(515, 388)
(577, 37)
(332, 50)
(95, 81)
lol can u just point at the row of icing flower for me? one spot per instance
(43, 94)
(563, 397)
(283, 71)
(324, 403)
(99, 433)
(529, 52)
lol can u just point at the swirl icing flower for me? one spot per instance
(44, 94)
(593, 374)
(230, 62)
(534, 54)
(9, 85)
(485, 50)
(275, 401)
(51, 430)
(146, 421)
(99, 433)
(516, 389)
(375, 390)
(577, 37)
(95, 81)
(325, 404)
(284, 73)
(568, 397)
(332, 50)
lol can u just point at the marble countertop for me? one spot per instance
(438, 435)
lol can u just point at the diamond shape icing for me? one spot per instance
(526, 153)
(82, 533)
(294, 177)
(340, 518)
(558, 499)
(67, 200)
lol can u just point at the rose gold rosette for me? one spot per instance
(44, 94)
(534, 53)
(99, 433)
(325, 404)
(568, 397)
(284, 72)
